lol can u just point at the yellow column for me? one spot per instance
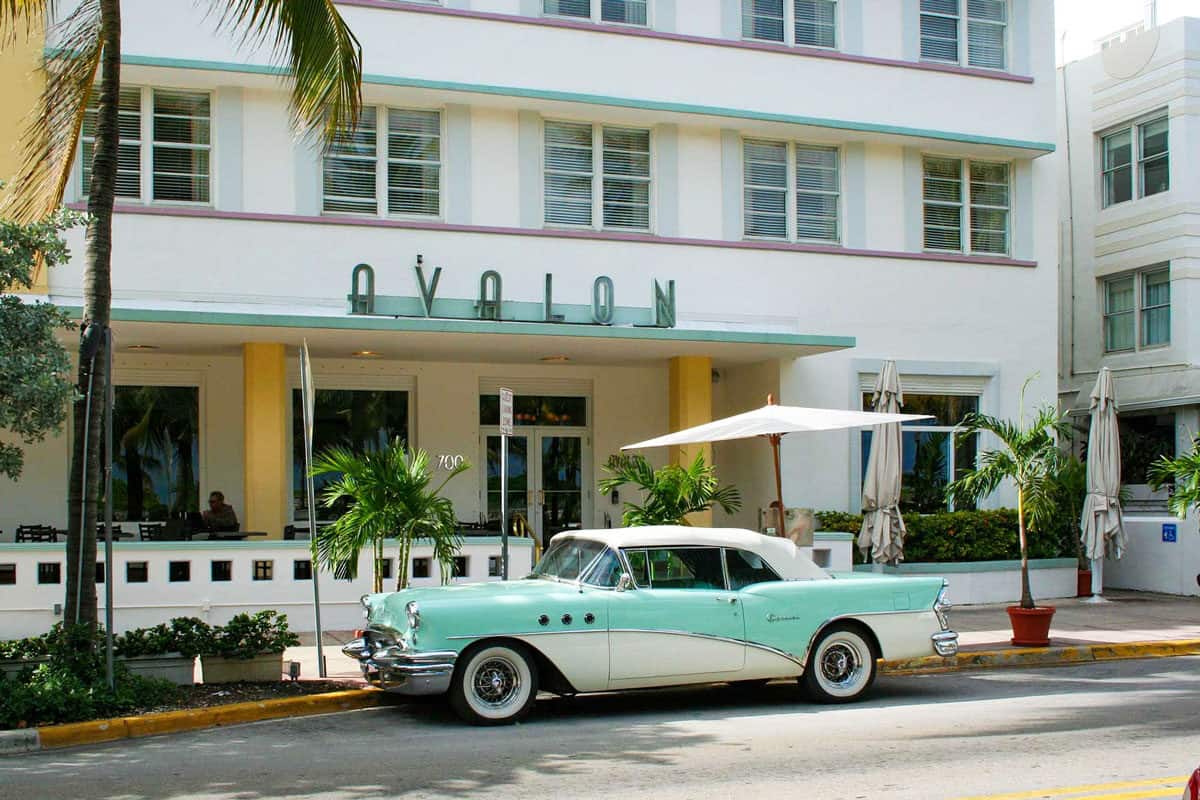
(20, 91)
(690, 401)
(266, 459)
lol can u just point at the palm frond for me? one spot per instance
(320, 50)
(23, 18)
(51, 135)
(1183, 472)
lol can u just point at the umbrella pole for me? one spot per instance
(774, 439)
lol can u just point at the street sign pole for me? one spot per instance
(506, 429)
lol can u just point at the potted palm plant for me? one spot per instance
(671, 493)
(1029, 457)
(391, 493)
(1183, 474)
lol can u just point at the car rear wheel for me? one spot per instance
(841, 666)
(494, 684)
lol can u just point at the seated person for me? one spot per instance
(219, 516)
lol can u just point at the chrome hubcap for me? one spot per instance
(497, 682)
(841, 664)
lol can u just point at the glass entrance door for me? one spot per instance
(547, 481)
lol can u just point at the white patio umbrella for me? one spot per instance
(772, 422)
(1102, 529)
(883, 531)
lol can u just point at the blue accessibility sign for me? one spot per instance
(1169, 531)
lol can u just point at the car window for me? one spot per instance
(566, 559)
(606, 572)
(685, 568)
(639, 567)
(746, 568)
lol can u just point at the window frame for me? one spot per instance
(789, 28)
(383, 160)
(792, 192)
(146, 144)
(1137, 312)
(596, 15)
(623, 553)
(965, 206)
(597, 177)
(1137, 160)
(962, 34)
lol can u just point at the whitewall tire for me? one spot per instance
(841, 666)
(494, 684)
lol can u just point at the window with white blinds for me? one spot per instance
(984, 27)
(400, 161)
(808, 23)
(129, 150)
(791, 191)
(348, 180)
(977, 222)
(596, 166)
(624, 12)
(182, 146)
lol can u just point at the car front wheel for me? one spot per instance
(494, 684)
(841, 666)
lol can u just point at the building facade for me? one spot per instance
(638, 214)
(1129, 189)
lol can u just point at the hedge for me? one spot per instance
(964, 536)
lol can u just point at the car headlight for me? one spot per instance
(414, 614)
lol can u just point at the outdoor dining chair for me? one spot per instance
(36, 533)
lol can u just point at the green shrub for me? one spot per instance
(250, 635)
(191, 636)
(949, 536)
(156, 641)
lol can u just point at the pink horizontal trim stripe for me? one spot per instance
(646, 33)
(556, 233)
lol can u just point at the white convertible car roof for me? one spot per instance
(784, 556)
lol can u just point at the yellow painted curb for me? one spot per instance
(1040, 657)
(78, 733)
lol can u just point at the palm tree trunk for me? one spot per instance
(377, 554)
(80, 602)
(1026, 594)
(402, 561)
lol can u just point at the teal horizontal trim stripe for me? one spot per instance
(608, 100)
(929, 568)
(423, 325)
(245, 544)
(833, 536)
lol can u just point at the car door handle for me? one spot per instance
(730, 600)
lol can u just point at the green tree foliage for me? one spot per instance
(1030, 458)
(671, 493)
(390, 493)
(1183, 472)
(35, 383)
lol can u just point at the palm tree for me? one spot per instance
(672, 492)
(1029, 457)
(325, 63)
(389, 494)
(1182, 471)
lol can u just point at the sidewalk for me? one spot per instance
(1127, 617)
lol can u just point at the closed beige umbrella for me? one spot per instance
(882, 534)
(1101, 526)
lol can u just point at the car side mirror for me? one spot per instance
(625, 582)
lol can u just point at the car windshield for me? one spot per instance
(567, 559)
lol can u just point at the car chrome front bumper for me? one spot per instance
(394, 669)
(945, 643)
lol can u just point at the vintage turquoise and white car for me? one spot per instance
(633, 608)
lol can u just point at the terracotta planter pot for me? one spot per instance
(1083, 586)
(267, 667)
(1030, 626)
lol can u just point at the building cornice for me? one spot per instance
(646, 33)
(560, 233)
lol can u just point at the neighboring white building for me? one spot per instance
(1129, 188)
(754, 196)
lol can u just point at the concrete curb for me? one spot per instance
(106, 730)
(1040, 657)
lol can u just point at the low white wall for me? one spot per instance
(1153, 564)
(832, 550)
(995, 581)
(29, 608)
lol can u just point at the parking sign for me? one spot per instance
(1169, 532)
(506, 412)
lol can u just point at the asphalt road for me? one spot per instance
(1115, 731)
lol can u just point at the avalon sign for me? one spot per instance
(490, 304)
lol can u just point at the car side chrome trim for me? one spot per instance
(573, 631)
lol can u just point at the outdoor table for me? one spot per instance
(233, 536)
